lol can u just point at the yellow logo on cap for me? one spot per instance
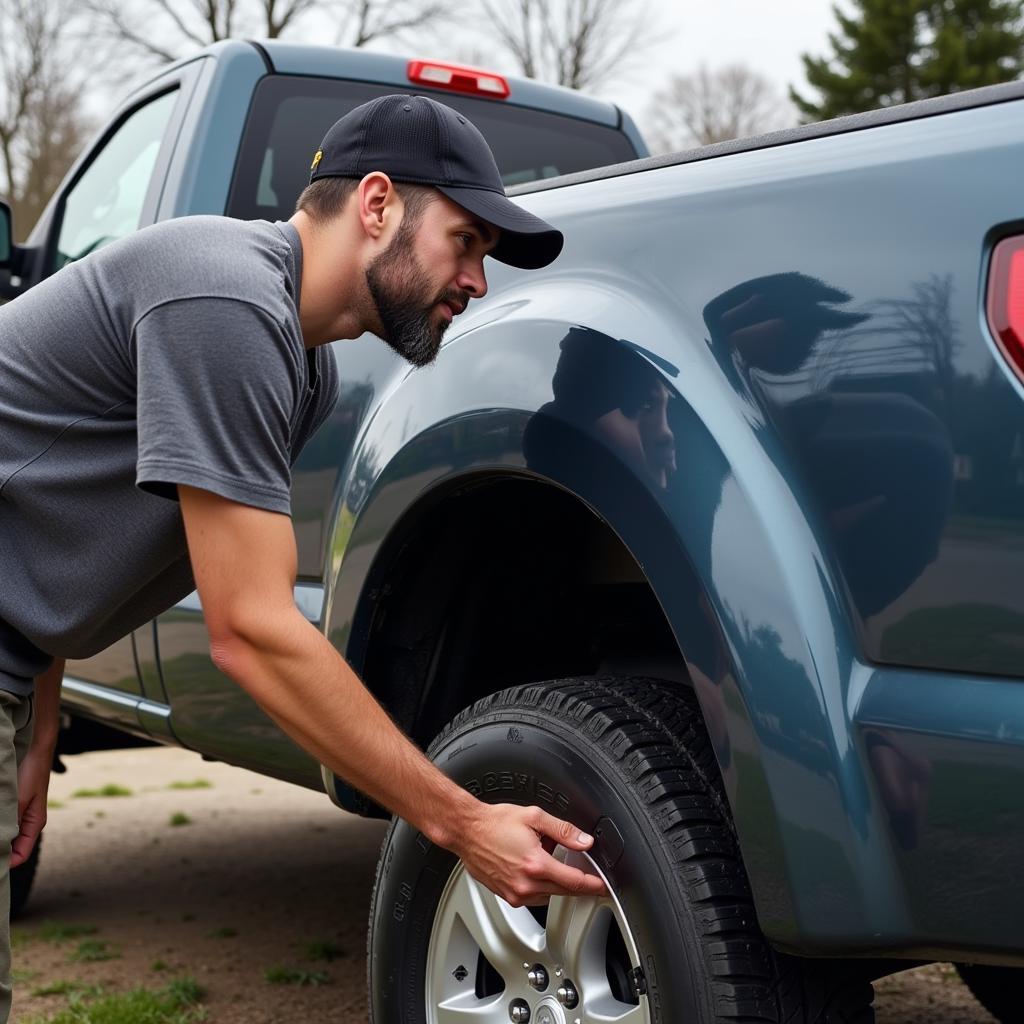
(316, 160)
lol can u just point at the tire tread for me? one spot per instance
(655, 734)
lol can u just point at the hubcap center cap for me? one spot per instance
(549, 1012)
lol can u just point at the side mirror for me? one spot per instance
(6, 235)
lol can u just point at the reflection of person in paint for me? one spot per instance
(638, 429)
(608, 389)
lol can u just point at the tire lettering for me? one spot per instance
(653, 995)
(518, 782)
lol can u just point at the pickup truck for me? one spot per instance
(709, 538)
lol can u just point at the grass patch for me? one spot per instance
(180, 818)
(158, 965)
(178, 1003)
(110, 789)
(92, 950)
(194, 784)
(22, 976)
(54, 805)
(222, 933)
(294, 976)
(323, 950)
(68, 987)
(56, 931)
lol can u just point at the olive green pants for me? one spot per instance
(15, 734)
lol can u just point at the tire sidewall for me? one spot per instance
(515, 756)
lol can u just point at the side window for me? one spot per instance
(106, 201)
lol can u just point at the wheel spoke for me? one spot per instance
(506, 935)
(574, 925)
(611, 1011)
(466, 1009)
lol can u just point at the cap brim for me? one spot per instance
(526, 241)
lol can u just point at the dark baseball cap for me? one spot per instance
(417, 140)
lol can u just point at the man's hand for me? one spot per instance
(33, 783)
(507, 849)
(259, 639)
(34, 770)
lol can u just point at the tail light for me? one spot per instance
(458, 78)
(1005, 305)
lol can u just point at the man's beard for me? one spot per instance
(401, 291)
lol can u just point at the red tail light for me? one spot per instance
(458, 78)
(1006, 300)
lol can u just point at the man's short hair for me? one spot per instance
(325, 198)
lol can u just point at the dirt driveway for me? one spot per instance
(260, 892)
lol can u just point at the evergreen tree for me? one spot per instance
(896, 51)
(974, 42)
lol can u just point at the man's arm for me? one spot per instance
(34, 770)
(244, 561)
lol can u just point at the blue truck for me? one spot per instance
(709, 537)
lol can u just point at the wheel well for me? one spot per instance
(499, 582)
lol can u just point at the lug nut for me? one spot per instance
(567, 994)
(538, 977)
(519, 1011)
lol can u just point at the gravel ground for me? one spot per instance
(258, 873)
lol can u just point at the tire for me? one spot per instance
(22, 878)
(630, 762)
(999, 989)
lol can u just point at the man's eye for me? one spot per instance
(466, 239)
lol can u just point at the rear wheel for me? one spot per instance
(630, 762)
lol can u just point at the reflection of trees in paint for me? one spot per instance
(867, 447)
(899, 336)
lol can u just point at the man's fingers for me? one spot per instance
(21, 848)
(30, 824)
(564, 832)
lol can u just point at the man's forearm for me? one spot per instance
(46, 708)
(295, 674)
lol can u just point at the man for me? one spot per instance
(153, 397)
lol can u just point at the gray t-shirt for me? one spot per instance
(172, 356)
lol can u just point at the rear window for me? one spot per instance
(291, 114)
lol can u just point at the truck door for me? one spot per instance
(110, 193)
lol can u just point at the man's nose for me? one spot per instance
(473, 280)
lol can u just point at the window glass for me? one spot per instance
(291, 114)
(106, 201)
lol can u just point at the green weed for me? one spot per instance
(180, 818)
(294, 976)
(55, 931)
(194, 784)
(110, 789)
(92, 951)
(68, 987)
(175, 1004)
(222, 933)
(323, 950)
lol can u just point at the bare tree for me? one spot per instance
(164, 30)
(364, 21)
(42, 127)
(712, 106)
(578, 43)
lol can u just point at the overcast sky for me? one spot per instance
(768, 37)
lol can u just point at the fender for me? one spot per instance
(726, 544)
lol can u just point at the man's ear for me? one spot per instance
(379, 204)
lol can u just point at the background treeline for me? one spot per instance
(63, 63)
